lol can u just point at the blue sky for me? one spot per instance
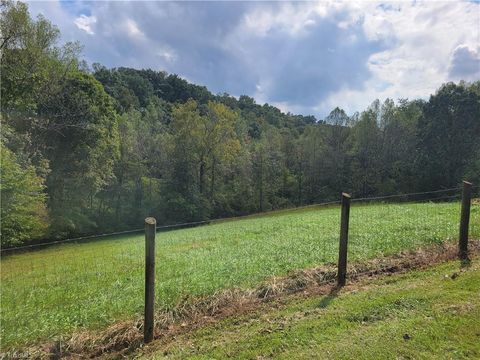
(304, 57)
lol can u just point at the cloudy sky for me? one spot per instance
(304, 57)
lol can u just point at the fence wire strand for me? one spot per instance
(165, 227)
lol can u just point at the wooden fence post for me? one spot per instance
(148, 326)
(464, 220)
(342, 250)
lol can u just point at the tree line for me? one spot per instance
(89, 150)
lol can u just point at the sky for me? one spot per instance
(303, 57)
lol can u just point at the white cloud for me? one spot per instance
(168, 55)
(292, 18)
(424, 37)
(85, 23)
(132, 29)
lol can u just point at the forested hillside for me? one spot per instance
(88, 150)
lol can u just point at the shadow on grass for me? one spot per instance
(326, 300)
(465, 263)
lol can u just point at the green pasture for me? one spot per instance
(59, 289)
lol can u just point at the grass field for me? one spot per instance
(432, 314)
(59, 289)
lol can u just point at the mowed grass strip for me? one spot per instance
(54, 291)
(430, 314)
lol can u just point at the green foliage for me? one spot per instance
(58, 119)
(23, 211)
(366, 150)
(82, 147)
(31, 63)
(449, 135)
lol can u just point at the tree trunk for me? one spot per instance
(202, 175)
(261, 183)
(212, 185)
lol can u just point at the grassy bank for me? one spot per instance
(56, 290)
(419, 315)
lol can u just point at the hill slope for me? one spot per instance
(423, 314)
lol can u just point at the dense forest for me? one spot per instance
(87, 149)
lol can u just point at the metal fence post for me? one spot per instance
(464, 220)
(342, 251)
(150, 229)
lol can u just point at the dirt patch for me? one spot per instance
(126, 337)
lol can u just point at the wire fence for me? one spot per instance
(88, 283)
(388, 225)
(159, 228)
